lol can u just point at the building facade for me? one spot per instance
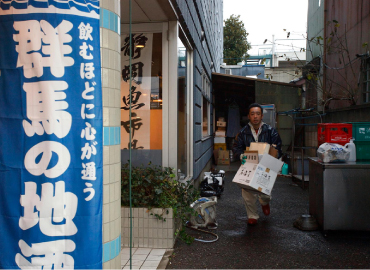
(174, 123)
(172, 96)
(337, 72)
(337, 48)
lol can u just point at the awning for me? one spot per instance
(242, 90)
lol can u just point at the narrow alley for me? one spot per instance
(274, 242)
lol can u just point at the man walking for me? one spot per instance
(255, 131)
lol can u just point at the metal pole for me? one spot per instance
(302, 157)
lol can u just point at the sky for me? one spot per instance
(264, 18)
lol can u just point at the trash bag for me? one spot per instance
(332, 152)
(211, 189)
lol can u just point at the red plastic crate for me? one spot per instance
(334, 133)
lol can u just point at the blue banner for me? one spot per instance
(51, 164)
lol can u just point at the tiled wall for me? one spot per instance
(111, 66)
(147, 230)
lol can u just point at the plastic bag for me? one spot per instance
(332, 152)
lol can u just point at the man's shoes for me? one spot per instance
(266, 209)
(252, 221)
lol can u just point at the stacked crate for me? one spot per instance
(339, 133)
(361, 134)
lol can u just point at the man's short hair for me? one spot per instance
(253, 105)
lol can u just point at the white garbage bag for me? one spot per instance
(332, 152)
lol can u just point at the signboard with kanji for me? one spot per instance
(51, 135)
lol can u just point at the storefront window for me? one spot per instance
(146, 99)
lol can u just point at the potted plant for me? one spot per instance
(160, 206)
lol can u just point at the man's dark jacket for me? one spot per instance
(244, 138)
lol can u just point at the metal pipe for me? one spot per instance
(302, 162)
(273, 50)
(292, 153)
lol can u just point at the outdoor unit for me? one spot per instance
(269, 114)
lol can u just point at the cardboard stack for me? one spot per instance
(222, 157)
(221, 131)
(259, 172)
(220, 152)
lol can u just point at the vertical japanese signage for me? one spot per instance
(141, 63)
(51, 135)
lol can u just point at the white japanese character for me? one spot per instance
(30, 38)
(47, 255)
(85, 31)
(83, 51)
(56, 212)
(29, 41)
(55, 38)
(47, 148)
(45, 105)
(87, 71)
(87, 90)
(86, 115)
(91, 190)
(29, 200)
(87, 150)
(88, 132)
(89, 172)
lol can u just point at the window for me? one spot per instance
(146, 104)
(206, 106)
(184, 94)
(366, 81)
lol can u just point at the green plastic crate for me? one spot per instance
(362, 150)
(361, 131)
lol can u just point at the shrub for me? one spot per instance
(157, 187)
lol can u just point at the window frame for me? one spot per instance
(174, 33)
(206, 96)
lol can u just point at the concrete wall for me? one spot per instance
(342, 71)
(285, 75)
(196, 16)
(111, 66)
(354, 30)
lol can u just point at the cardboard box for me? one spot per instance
(252, 156)
(220, 132)
(262, 148)
(220, 139)
(219, 146)
(273, 151)
(221, 124)
(259, 177)
(223, 157)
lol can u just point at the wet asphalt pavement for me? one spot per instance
(274, 242)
